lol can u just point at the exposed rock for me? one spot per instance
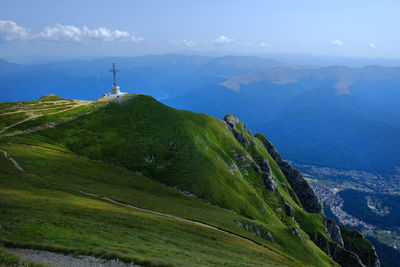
(256, 229)
(303, 190)
(241, 138)
(255, 166)
(269, 181)
(338, 253)
(344, 257)
(295, 231)
(289, 209)
(333, 231)
(265, 166)
(231, 120)
(357, 243)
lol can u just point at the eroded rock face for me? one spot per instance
(289, 209)
(241, 138)
(231, 120)
(345, 257)
(334, 246)
(303, 190)
(265, 166)
(295, 231)
(270, 182)
(357, 243)
(308, 198)
(333, 231)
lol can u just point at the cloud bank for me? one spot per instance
(223, 40)
(10, 31)
(337, 42)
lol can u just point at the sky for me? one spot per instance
(95, 28)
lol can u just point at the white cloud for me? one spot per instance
(337, 42)
(182, 41)
(75, 34)
(10, 31)
(223, 40)
(264, 45)
(372, 45)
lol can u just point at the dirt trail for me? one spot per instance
(12, 160)
(46, 126)
(33, 110)
(38, 116)
(205, 225)
(61, 260)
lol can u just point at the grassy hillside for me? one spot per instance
(140, 152)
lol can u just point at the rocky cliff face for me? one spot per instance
(346, 252)
(308, 198)
(333, 231)
(357, 243)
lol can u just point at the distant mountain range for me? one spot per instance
(328, 116)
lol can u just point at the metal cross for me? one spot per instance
(114, 70)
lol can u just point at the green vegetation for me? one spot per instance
(51, 97)
(355, 203)
(57, 116)
(134, 152)
(42, 215)
(10, 119)
(356, 242)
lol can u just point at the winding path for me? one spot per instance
(38, 116)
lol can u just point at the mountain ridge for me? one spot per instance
(218, 161)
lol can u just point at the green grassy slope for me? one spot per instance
(127, 151)
(43, 215)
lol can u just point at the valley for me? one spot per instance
(338, 190)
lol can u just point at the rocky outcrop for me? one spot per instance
(338, 253)
(308, 198)
(233, 122)
(295, 231)
(289, 209)
(332, 243)
(344, 257)
(333, 231)
(357, 243)
(269, 181)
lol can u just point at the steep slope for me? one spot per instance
(134, 150)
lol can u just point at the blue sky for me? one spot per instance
(355, 28)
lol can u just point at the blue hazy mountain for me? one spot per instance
(347, 117)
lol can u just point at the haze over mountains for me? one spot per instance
(332, 116)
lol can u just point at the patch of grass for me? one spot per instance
(41, 215)
(357, 243)
(10, 119)
(51, 97)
